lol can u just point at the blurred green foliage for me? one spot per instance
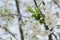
(37, 14)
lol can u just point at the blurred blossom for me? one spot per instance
(31, 28)
(50, 20)
(45, 33)
(50, 17)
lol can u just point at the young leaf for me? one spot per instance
(36, 10)
(30, 10)
(40, 3)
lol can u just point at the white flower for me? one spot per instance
(50, 20)
(32, 37)
(45, 33)
(50, 17)
(35, 27)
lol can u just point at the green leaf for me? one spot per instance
(40, 3)
(37, 10)
(42, 20)
(37, 14)
(30, 10)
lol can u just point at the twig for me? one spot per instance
(7, 30)
(46, 27)
(56, 3)
(19, 20)
(13, 15)
(59, 36)
(35, 3)
(55, 36)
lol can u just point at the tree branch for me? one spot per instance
(55, 36)
(46, 27)
(56, 3)
(7, 30)
(19, 19)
